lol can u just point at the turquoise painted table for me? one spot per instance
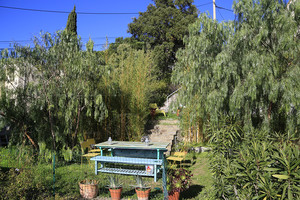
(131, 153)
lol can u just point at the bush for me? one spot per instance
(258, 170)
(20, 184)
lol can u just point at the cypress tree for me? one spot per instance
(72, 23)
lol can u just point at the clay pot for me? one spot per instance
(142, 194)
(115, 193)
(174, 196)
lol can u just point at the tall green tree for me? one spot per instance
(163, 26)
(132, 82)
(61, 97)
(71, 27)
(246, 68)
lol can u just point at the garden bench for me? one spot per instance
(177, 157)
(87, 145)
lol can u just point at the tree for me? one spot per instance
(246, 68)
(61, 97)
(163, 26)
(129, 88)
(71, 27)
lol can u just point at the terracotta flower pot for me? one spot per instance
(142, 194)
(174, 196)
(88, 191)
(115, 193)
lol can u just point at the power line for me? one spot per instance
(81, 13)
(67, 12)
(221, 14)
(10, 41)
(1, 48)
(85, 38)
(224, 8)
(204, 4)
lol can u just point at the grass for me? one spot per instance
(169, 116)
(202, 179)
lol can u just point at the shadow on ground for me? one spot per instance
(192, 192)
(4, 169)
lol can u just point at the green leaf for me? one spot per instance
(270, 169)
(290, 196)
(260, 196)
(50, 106)
(241, 174)
(246, 185)
(281, 176)
(296, 187)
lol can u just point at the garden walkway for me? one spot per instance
(165, 131)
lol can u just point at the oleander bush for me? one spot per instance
(257, 166)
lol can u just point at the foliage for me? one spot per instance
(64, 93)
(71, 27)
(254, 165)
(21, 184)
(140, 184)
(44, 153)
(259, 170)
(178, 180)
(171, 18)
(89, 182)
(114, 182)
(55, 94)
(129, 88)
(134, 44)
(246, 68)
(225, 135)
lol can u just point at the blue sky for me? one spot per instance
(22, 26)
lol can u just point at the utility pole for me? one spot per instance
(214, 8)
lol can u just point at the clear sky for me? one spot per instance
(22, 25)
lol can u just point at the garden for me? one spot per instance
(25, 176)
(237, 94)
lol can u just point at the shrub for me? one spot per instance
(258, 170)
(21, 185)
(178, 180)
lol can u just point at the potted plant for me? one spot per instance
(178, 180)
(88, 188)
(142, 189)
(115, 188)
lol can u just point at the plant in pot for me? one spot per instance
(115, 188)
(88, 188)
(178, 180)
(142, 189)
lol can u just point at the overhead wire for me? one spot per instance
(224, 8)
(204, 4)
(85, 38)
(67, 12)
(81, 13)
(221, 14)
(94, 13)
